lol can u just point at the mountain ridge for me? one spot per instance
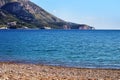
(27, 14)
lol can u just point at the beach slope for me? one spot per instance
(15, 71)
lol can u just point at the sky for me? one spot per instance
(101, 14)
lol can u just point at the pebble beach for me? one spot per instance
(18, 71)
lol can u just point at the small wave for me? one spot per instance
(44, 50)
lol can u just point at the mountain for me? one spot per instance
(25, 14)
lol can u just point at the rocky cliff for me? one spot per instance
(27, 14)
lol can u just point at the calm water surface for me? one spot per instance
(71, 48)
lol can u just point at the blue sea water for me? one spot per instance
(70, 48)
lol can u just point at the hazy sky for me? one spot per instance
(102, 14)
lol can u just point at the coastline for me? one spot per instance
(20, 71)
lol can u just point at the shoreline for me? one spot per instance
(100, 68)
(20, 71)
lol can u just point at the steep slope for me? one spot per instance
(29, 13)
(6, 18)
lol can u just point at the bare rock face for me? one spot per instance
(3, 2)
(15, 8)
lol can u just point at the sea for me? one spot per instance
(67, 48)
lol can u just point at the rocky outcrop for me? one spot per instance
(3, 2)
(15, 8)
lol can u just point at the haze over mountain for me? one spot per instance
(25, 14)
